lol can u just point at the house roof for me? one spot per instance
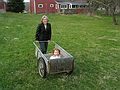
(77, 3)
(73, 2)
(1, 1)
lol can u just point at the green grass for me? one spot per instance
(94, 42)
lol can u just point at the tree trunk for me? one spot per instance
(114, 19)
(114, 16)
(107, 11)
(90, 11)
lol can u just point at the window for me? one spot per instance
(51, 5)
(40, 5)
(70, 6)
(74, 6)
(63, 6)
(83, 6)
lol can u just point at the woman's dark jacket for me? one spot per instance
(43, 34)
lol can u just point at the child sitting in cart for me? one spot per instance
(56, 54)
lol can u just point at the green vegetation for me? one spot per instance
(93, 41)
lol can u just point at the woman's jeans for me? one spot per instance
(43, 47)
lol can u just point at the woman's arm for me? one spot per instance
(50, 32)
(37, 33)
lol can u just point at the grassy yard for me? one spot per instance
(94, 42)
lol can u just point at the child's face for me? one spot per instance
(56, 53)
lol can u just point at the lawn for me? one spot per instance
(93, 41)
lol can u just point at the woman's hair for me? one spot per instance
(55, 49)
(44, 17)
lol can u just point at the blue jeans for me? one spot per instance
(43, 47)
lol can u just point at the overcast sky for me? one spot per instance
(26, 0)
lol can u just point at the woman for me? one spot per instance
(43, 33)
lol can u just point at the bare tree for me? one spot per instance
(108, 5)
(93, 6)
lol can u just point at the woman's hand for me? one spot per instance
(36, 41)
(49, 40)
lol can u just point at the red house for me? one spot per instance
(60, 6)
(2, 6)
(42, 6)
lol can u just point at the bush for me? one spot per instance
(15, 6)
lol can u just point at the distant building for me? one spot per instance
(27, 6)
(42, 6)
(2, 6)
(58, 6)
(72, 6)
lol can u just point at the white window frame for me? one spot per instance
(63, 6)
(51, 5)
(56, 6)
(40, 5)
(70, 6)
(74, 7)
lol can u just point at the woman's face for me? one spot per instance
(56, 53)
(45, 21)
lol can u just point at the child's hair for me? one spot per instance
(57, 50)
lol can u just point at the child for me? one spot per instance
(56, 54)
